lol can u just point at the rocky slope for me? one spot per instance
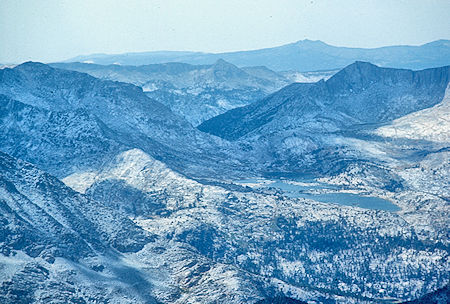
(271, 242)
(203, 244)
(55, 243)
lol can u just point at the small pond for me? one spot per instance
(297, 189)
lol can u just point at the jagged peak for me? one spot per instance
(221, 64)
(361, 64)
(358, 75)
(358, 70)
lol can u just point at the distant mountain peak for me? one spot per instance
(440, 42)
(357, 72)
(33, 65)
(362, 67)
(222, 64)
(309, 41)
(221, 61)
(361, 64)
(306, 43)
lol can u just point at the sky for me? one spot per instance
(52, 30)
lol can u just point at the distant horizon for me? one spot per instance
(55, 30)
(216, 53)
(248, 50)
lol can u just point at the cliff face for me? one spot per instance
(360, 93)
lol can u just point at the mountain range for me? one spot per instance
(195, 92)
(107, 195)
(304, 55)
(198, 92)
(65, 121)
(305, 118)
(361, 93)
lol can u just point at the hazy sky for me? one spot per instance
(50, 30)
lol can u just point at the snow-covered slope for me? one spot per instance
(42, 201)
(63, 114)
(58, 245)
(432, 124)
(215, 246)
(62, 142)
(314, 76)
(267, 241)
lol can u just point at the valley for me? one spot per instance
(218, 183)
